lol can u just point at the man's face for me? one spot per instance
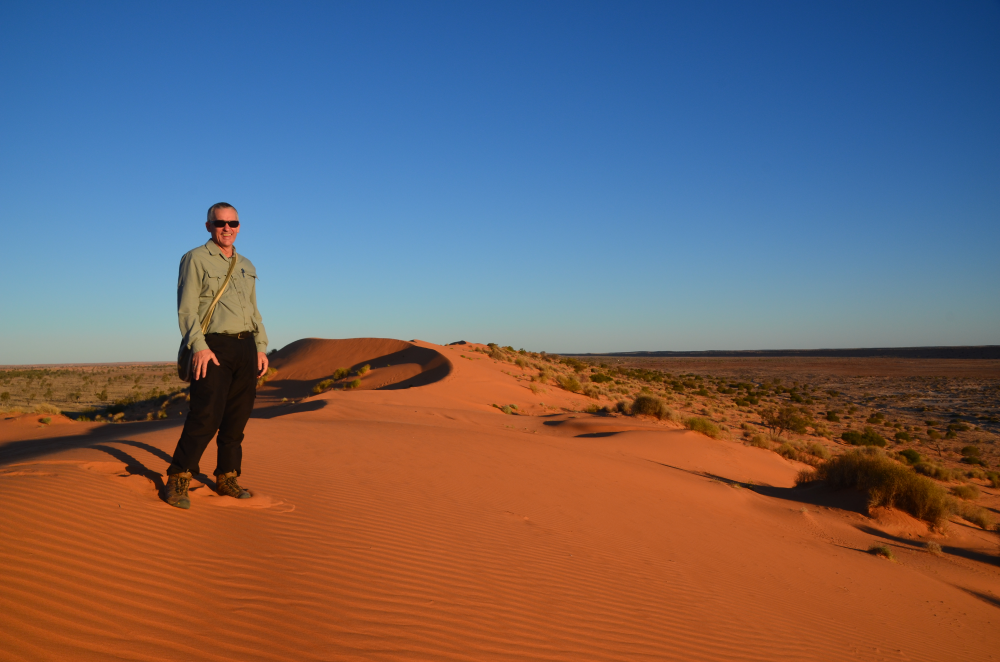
(224, 236)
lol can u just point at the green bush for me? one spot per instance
(967, 492)
(903, 436)
(600, 378)
(322, 386)
(832, 417)
(910, 455)
(355, 384)
(650, 405)
(45, 420)
(760, 441)
(704, 426)
(887, 483)
(568, 383)
(868, 437)
(363, 370)
(340, 373)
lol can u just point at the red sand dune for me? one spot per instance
(394, 523)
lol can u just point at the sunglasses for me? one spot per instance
(222, 224)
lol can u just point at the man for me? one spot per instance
(226, 360)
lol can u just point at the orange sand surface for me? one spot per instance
(412, 520)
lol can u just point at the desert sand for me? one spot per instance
(411, 519)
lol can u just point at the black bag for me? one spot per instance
(184, 354)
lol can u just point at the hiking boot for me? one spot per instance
(226, 485)
(176, 491)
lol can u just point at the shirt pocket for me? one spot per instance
(211, 284)
(249, 279)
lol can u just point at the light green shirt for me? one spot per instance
(202, 273)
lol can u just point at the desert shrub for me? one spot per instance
(787, 451)
(568, 383)
(46, 408)
(591, 391)
(704, 426)
(818, 450)
(520, 363)
(534, 388)
(967, 492)
(784, 419)
(600, 378)
(887, 483)
(994, 479)
(933, 548)
(507, 409)
(883, 551)
(322, 386)
(935, 471)
(45, 420)
(363, 370)
(649, 405)
(832, 417)
(867, 437)
(910, 455)
(354, 384)
(623, 407)
(903, 436)
(976, 515)
(267, 376)
(760, 441)
(340, 373)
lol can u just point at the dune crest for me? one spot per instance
(394, 364)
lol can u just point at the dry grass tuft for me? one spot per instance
(968, 492)
(760, 441)
(882, 550)
(979, 516)
(933, 548)
(702, 425)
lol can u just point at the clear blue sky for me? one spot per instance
(569, 176)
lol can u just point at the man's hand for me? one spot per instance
(199, 362)
(261, 364)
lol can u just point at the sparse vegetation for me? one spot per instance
(760, 441)
(354, 384)
(650, 405)
(933, 548)
(363, 370)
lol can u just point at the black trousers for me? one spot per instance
(221, 401)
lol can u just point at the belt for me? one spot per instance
(241, 335)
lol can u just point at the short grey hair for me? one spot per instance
(216, 207)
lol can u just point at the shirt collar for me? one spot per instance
(213, 249)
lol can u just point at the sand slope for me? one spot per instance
(423, 524)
